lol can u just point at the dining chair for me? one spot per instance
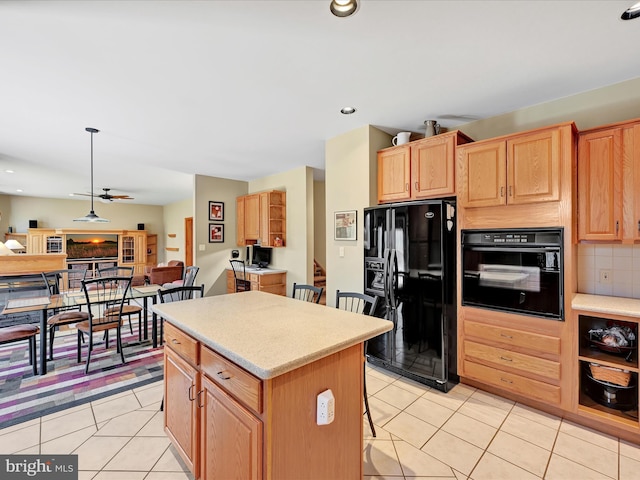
(128, 310)
(187, 281)
(105, 297)
(178, 294)
(366, 305)
(239, 276)
(29, 332)
(307, 293)
(55, 281)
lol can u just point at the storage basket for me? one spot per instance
(610, 374)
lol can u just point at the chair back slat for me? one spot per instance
(190, 276)
(307, 293)
(105, 297)
(356, 302)
(240, 276)
(180, 293)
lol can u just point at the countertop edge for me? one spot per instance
(264, 374)
(629, 307)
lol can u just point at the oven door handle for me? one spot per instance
(513, 249)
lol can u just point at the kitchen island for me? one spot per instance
(242, 376)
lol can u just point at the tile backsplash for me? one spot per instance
(620, 263)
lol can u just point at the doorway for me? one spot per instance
(188, 241)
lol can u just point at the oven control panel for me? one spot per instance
(508, 238)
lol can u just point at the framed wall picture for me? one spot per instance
(345, 225)
(216, 233)
(216, 211)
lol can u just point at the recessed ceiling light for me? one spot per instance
(632, 12)
(19, 190)
(343, 8)
(347, 110)
(9, 171)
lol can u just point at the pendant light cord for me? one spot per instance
(92, 172)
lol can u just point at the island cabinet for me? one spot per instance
(243, 406)
(262, 219)
(520, 356)
(421, 169)
(516, 169)
(608, 182)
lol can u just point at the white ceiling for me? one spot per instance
(244, 89)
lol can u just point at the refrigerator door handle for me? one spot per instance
(393, 271)
(385, 277)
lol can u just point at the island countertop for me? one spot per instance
(267, 334)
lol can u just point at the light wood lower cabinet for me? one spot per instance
(516, 360)
(181, 410)
(231, 437)
(228, 424)
(275, 283)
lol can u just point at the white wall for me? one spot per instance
(59, 213)
(351, 184)
(213, 259)
(297, 255)
(173, 220)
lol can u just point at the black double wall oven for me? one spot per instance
(517, 270)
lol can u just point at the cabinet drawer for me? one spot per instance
(242, 385)
(510, 336)
(518, 361)
(181, 343)
(513, 383)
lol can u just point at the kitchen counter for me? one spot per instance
(261, 271)
(269, 335)
(603, 304)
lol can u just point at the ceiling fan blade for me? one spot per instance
(85, 195)
(121, 197)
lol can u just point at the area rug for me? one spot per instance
(24, 396)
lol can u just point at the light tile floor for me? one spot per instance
(421, 433)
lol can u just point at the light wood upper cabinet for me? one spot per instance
(600, 185)
(394, 174)
(608, 182)
(518, 169)
(262, 219)
(421, 169)
(533, 167)
(482, 174)
(252, 217)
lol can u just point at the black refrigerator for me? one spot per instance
(410, 265)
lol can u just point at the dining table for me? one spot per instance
(74, 299)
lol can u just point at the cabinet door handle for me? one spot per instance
(505, 380)
(506, 336)
(617, 227)
(639, 225)
(175, 342)
(502, 191)
(191, 397)
(506, 359)
(511, 190)
(406, 187)
(416, 184)
(200, 405)
(223, 376)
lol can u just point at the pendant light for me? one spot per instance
(343, 8)
(91, 216)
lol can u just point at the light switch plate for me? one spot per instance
(201, 247)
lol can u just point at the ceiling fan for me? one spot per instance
(107, 196)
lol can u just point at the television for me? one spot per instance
(261, 256)
(92, 246)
